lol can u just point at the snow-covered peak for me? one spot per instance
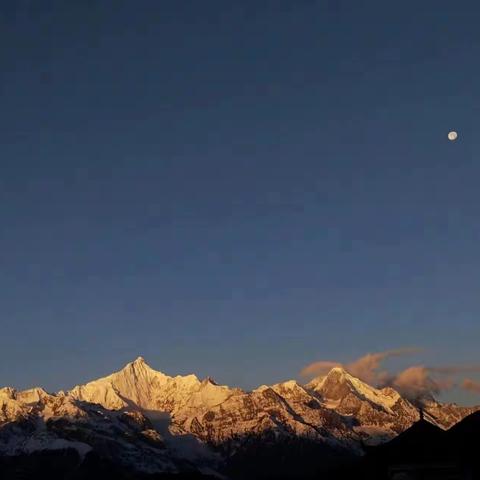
(339, 370)
(24, 397)
(10, 409)
(32, 395)
(7, 393)
(340, 373)
(288, 387)
(137, 385)
(139, 366)
(339, 384)
(130, 385)
(292, 391)
(335, 375)
(290, 384)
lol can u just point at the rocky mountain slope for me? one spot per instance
(152, 422)
(33, 420)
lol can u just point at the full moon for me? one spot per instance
(452, 136)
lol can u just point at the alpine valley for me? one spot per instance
(141, 423)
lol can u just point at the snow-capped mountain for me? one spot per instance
(149, 421)
(213, 413)
(138, 385)
(379, 414)
(337, 408)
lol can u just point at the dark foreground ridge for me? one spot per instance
(423, 452)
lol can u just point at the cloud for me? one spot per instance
(471, 385)
(316, 369)
(420, 382)
(366, 368)
(455, 369)
(416, 383)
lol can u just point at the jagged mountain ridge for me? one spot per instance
(34, 420)
(168, 418)
(336, 406)
(213, 413)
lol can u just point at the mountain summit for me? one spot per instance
(137, 385)
(339, 385)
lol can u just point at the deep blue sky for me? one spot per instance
(236, 188)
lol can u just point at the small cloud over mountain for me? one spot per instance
(367, 368)
(471, 385)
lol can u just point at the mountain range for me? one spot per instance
(147, 422)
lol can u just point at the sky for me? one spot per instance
(237, 189)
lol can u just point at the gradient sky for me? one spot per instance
(237, 188)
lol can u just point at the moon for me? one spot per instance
(452, 136)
